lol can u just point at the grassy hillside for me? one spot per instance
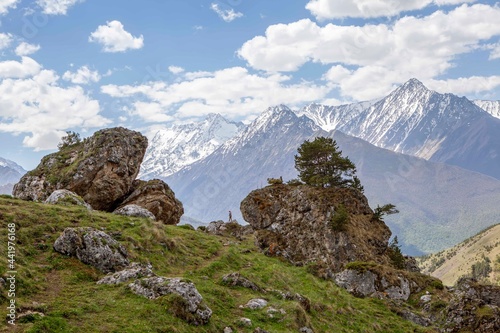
(65, 290)
(478, 256)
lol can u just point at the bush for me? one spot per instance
(71, 138)
(339, 219)
(395, 254)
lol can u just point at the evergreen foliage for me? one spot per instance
(71, 138)
(397, 258)
(339, 219)
(320, 163)
(387, 209)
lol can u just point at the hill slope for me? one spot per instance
(481, 250)
(65, 291)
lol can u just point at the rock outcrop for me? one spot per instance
(93, 247)
(100, 169)
(366, 283)
(191, 308)
(474, 308)
(65, 198)
(134, 271)
(296, 222)
(157, 197)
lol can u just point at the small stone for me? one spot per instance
(256, 304)
(228, 330)
(134, 211)
(306, 330)
(245, 322)
(260, 330)
(425, 298)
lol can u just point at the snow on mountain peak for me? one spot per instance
(492, 107)
(175, 147)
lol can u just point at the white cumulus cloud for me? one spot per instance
(32, 103)
(25, 49)
(84, 75)
(337, 9)
(175, 69)
(5, 5)
(57, 7)
(378, 56)
(12, 69)
(495, 52)
(114, 38)
(5, 40)
(226, 13)
(233, 92)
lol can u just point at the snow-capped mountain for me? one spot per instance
(173, 148)
(10, 173)
(417, 121)
(492, 107)
(333, 117)
(421, 189)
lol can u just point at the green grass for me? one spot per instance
(64, 289)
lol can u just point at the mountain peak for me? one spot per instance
(413, 85)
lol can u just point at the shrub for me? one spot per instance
(339, 219)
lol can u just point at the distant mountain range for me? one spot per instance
(10, 173)
(437, 208)
(173, 148)
(416, 121)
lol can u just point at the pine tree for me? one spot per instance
(320, 163)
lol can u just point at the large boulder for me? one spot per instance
(157, 197)
(100, 169)
(297, 223)
(191, 307)
(92, 247)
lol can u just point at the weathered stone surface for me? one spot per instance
(92, 247)
(157, 197)
(154, 287)
(100, 169)
(294, 222)
(305, 330)
(256, 304)
(65, 197)
(364, 283)
(236, 280)
(361, 284)
(134, 271)
(245, 322)
(474, 308)
(135, 211)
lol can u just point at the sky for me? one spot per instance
(85, 65)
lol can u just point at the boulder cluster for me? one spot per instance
(100, 173)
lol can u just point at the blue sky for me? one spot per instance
(83, 65)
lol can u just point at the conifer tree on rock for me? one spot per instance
(320, 163)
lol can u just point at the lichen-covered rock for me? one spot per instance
(134, 211)
(364, 283)
(474, 308)
(157, 197)
(236, 280)
(134, 271)
(256, 304)
(92, 247)
(295, 222)
(232, 228)
(65, 197)
(154, 287)
(100, 169)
